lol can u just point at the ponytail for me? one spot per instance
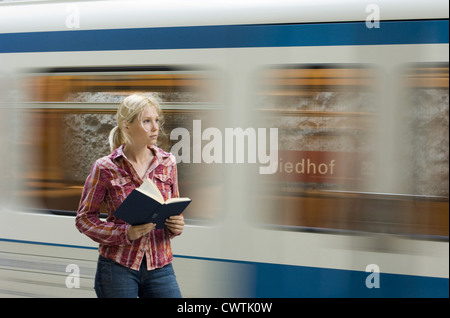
(116, 138)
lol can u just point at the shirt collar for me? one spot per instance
(162, 157)
(157, 153)
(118, 152)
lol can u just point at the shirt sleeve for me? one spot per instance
(87, 220)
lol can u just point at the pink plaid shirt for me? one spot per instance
(111, 180)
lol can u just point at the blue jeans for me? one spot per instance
(113, 280)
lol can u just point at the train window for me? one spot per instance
(330, 120)
(68, 115)
(425, 132)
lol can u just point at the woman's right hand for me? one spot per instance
(137, 231)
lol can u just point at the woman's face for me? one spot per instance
(144, 129)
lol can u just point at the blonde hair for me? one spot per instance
(130, 108)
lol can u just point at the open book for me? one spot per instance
(146, 205)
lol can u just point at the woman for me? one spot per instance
(134, 261)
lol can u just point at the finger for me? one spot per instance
(174, 222)
(175, 229)
(143, 227)
(175, 226)
(147, 228)
(175, 219)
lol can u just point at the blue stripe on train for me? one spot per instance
(272, 280)
(228, 36)
(268, 280)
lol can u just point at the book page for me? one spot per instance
(172, 200)
(150, 189)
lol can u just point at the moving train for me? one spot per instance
(312, 137)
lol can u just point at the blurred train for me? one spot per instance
(355, 200)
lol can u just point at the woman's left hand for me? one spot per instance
(175, 224)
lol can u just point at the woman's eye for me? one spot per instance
(149, 121)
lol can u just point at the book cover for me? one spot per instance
(146, 205)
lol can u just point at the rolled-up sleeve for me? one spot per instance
(87, 220)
